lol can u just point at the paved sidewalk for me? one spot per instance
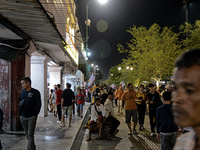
(123, 141)
(48, 136)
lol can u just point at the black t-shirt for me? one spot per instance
(154, 98)
(68, 96)
(32, 103)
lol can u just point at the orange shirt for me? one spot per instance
(129, 98)
(119, 94)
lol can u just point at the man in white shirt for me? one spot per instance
(97, 117)
(110, 114)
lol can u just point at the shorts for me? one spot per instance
(131, 113)
(54, 107)
(79, 107)
(67, 109)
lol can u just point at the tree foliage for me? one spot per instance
(152, 52)
(193, 40)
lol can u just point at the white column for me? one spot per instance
(55, 76)
(39, 80)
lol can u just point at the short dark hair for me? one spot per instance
(188, 59)
(68, 85)
(26, 79)
(58, 85)
(97, 85)
(51, 90)
(110, 93)
(97, 98)
(151, 85)
(167, 96)
(80, 90)
(130, 84)
(141, 85)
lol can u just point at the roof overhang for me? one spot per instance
(29, 16)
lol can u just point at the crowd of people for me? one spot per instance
(157, 104)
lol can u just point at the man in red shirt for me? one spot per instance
(58, 102)
(80, 103)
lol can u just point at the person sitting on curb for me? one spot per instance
(110, 115)
(166, 128)
(97, 117)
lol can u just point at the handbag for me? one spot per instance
(22, 102)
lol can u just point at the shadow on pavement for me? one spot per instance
(104, 144)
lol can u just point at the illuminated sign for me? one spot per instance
(71, 48)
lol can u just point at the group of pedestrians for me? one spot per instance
(62, 103)
(160, 114)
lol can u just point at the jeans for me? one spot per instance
(59, 111)
(168, 141)
(29, 127)
(141, 113)
(152, 118)
(119, 105)
(115, 123)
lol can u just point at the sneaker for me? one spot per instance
(58, 121)
(152, 134)
(130, 133)
(135, 132)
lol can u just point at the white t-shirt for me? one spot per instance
(53, 96)
(94, 115)
(109, 108)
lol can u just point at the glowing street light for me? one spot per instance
(92, 65)
(119, 68)
(111, 74)
(87, 23)
(131, 68)
(96, 65)
(102, 1)
(127, 67)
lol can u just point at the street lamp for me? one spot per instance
(111, 74)
(131, 68)
(102, 1)
(92, 65)
(96, 65)
(119, 68)
(127, 67)
(87, 22)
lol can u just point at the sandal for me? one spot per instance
(62, 125)
(98, 137)
(88, 139)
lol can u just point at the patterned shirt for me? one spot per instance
(186, 141)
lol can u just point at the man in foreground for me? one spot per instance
(30, 110)
(186, 99)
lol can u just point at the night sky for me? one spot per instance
(110, 21)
